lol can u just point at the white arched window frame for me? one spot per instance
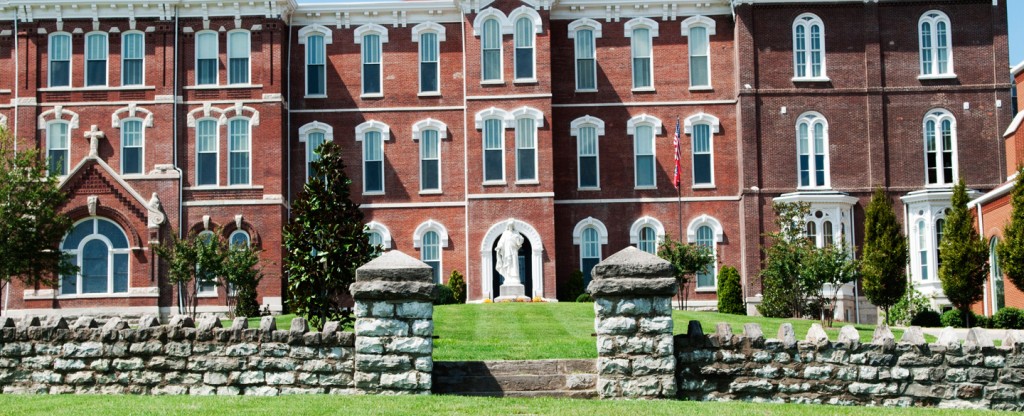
(647, 242)
(239, 56)
(239, 151)
(372, 134)
(429, 225)
(809, 48)
(85, 234)
(528, 121)
(642, 32)
(587, 130)
(589, 234)
(59, 56)
(133, 145)
(702, 127)
(372, 38)
(207, 152)
(996, 277)
(58, 147)
(206, 283)
(239, 238)
(813, 166)
(698, 30)
(585, 33)
(429, 133)
(429, 36)
(133, 58)
(940, 148)
(935, 38)
(207, 57)
(382, 231)
(706, 230)
(644, 129)
(313, 135)
(316, 38)
(490, 24)
(97, 50)
(527, 24)
(492, 123)
(921, 231)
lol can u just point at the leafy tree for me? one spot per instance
(31, 223)
(194, 261)
(1011, 247)
(784, 295)
(458, 285)
(963, 255)
(884, 259)
(688, 259)
(910, 305)
(730, 292)
(242, 273)
(324, 243)
(830, 265)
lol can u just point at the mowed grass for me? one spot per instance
(72, 405)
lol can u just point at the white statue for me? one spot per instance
(507, 254)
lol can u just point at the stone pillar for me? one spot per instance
(632, 293)
(394, 325)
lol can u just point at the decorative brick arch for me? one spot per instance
(57, 113)
(131, 111)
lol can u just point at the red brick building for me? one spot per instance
(458, 118)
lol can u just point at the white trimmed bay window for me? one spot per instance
(100, 250)
(586, 130)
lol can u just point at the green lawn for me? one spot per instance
(72, 405)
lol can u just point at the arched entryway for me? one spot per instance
(532, 249)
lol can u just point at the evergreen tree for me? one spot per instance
(325, 242)
(783, 294)
(730, 292)
(963, 255)
(1011, 247)
(884, 259)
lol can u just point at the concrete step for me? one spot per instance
(563, 394)
(541, 378)
(532, 367)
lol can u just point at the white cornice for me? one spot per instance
(619, 10)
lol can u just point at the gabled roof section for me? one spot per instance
(73, 178)
(1017, 69)
(1014, 125)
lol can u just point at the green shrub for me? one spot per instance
(1008, 318)
(458, 286)
(952, 318)
(444, 295)
(730, 293)
(927, 318)
(981, 321)
(584, 298)
(573, 287)
(909, 306)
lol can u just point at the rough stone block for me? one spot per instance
(423, 328)
(656, 325)
(280, 378)
(415, 310)
(399, 381)
(786, 335)
(617, 326)
(215, 379)
(371, 327)
(409, 345)
(388, 290)
(948, 337)
(378, 363)
(261, 391)
(978, 337)
(424, 364)
(613, 366)
(268, 324)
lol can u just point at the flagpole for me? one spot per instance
(679, 188)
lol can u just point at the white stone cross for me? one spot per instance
(94, 135)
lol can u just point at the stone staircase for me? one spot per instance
(542, 378)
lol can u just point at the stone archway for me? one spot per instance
(487, 288)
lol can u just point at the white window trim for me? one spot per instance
(602, 237)
(442, 133)
(595, 28)
(718, 237)
(417, 33)
(49, 59)
(430, 225)
(652, 26)
(574, 130)
(385, 135)
(812, 118)
(709, 24)
(314, 127)
(304, 34)
(248, 238)
(538, 117)
(507, 121)
(646, 221)
(808, 65)
(385, 233)
(111, 251)
(655, 124)
(249, 56)
(938, 115)
(311, 30)
(935, 74)
(46, 130)
(123, 45)
(714, 126)
(216, 54)
(252, 160)
(382, 33)
(502, 23)
(529, 13)
(142, 132)
(106, 74)
(216, 140)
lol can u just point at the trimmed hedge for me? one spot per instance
(1009, 318)
(730, 293)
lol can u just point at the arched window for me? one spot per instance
(430, 160)
(373, 134)
(58, 148)
(940, 225)
(239, 50)
(316, 41)
(207, 50)
(314, 135)
(96, 50)
(702, 156)
(431, 253)
(940, 148)
(587, 129)
(698, 30)
(527, 121)
(812, 151)
(808, 47)
(935, 40)
(207, 150)
(648, 240)
(491, 50)
(133, 53)
(706, 278)
(372, 37)
(643, 128)
(585, 33)
(379, 235)
(206, 281)
(996, 274)
(524, 40)
(59, 54)
(642, 32)
(375, 238)
(827, 233)
(494, 151)
(239, 157)
(922, 248)
(100, 250)
(132, 145)
(590, 253)
(812, 232)
(239, 238)
(429, 63)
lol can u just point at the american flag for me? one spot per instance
(675, 148)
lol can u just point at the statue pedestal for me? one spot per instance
(511, 293)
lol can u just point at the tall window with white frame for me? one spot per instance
(313, 142)
(700, 62)
(590, 253)
(373, 162)
(935, 41)
(940, 148)
(131, 147)
(586, 60)
(316, 66)
(490, 46)
(648, 241)
(133, 53)
(239, 157)
(206, 280)
(996, 274)
(526, 150)
(96, 51)
(812, 151)
(643, 151)
(206, 58)
(376, 240)
(372, 76)
(922, 248)
(940, 225)
(494, 151)
(641, 50)
(524, 40)
(587, 152)
(429, 63)
(207, 149)
(99, 248)
(703, 163)
(430, 253)
(60, 60)
(430, 161)
(808, 47)
(58, 147)
(827, 234)
(706, 277)
(238, 57)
